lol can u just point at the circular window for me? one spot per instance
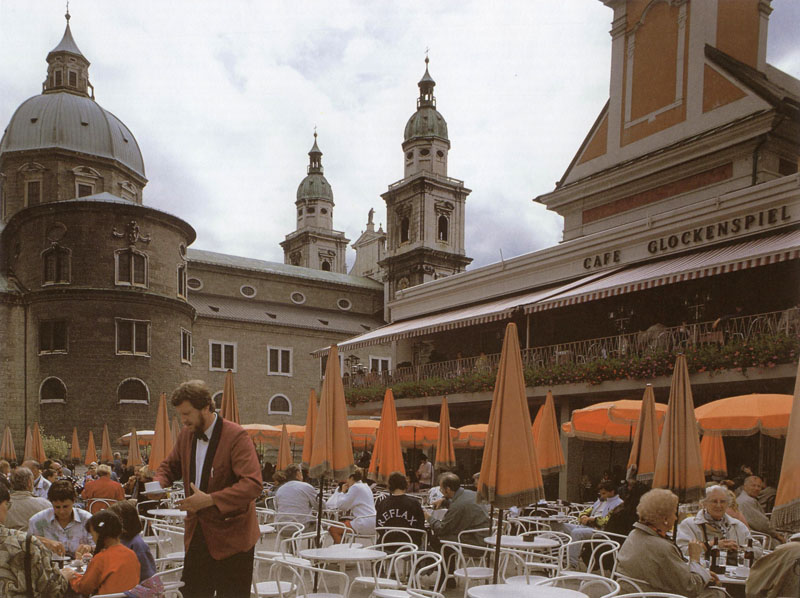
(344, 304)
(300, 212)
(440, 153)
(298, 297)
(424, 152)
(323, 211)
(409, 155)
(247, 291)
(310, 210)
(195, 284)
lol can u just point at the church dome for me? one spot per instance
(64, 120)
(314, 186)
(426, 122)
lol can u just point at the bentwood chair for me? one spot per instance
(593, 586)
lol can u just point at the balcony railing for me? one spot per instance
(658, 341)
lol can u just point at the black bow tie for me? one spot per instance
(201, 436)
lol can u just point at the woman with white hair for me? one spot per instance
(651, 558)
(712, 522)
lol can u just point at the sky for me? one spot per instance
(223, 99)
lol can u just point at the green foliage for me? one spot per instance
(55, 447)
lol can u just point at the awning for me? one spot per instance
(731, 258)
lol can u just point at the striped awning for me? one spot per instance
(721, 260)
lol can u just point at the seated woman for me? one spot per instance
(131, 537)
(114, 568)
(713, 522)
(651, 558)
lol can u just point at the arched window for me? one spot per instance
(279, 405)
(130, 267)
(56, 265)
(444, 226)
(52, 390)
(326, 266)
(133, 390)
(405, 224)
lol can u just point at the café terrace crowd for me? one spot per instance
(664, 528)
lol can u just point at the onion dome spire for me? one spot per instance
(426, 85)
(315, 158)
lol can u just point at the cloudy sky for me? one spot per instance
(223, 98)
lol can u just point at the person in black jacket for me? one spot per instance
(399, 510)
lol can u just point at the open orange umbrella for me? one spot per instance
(91, 450)
(745, 415)
(143, 437)
(645, 440)
(786, 512)
(445, 453)
(418, 433)
(387, 456)
(105, 447)
(679, 465)
(284, 452)
(545, 435)
(472, 436)
(712, 450)
(134, 456)
(363, 432)
(75, 449)
(611, 421)
(175, 429)
(162, 436)
(263, 433)
(38, 445)
(7, 450)
(311, 422)
(27, 453)
(230, 408)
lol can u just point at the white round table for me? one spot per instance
(731, 578)
(515, 590)
(342, 553)
(537, 543)
(168, 513)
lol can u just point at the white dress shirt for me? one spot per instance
(200, 453)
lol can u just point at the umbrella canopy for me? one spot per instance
(613, 421)
(284, 452)
(230, 408)
(28, 452)
(143, 437)
(91, 450)
(472, 436)
(387, 456)
(175, 428)
(162, 436)
(38, 445)
(745, 415)
(332, 453)
(7, 450)
(445, 453)
(75, 449)
(645, 440)
(363, 432)
(786, 513)
(263, 433)
(134, 456)
(418, 433)
(546, 437)
(510, 474)
(679, 466)
(311, 422)
(105, 446)
(712, 451)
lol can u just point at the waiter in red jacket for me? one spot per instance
(218, 465)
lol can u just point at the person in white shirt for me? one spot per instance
(295, 499)
(357, 498)
(40, 485)
(425, 473)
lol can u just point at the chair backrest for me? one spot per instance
(95, 505)
(594, 586)
(417, 593)
(310, 580)
(602, 555)
(284, 530)
(427, 564)
(763, 539)
(480, 532)
(402, 534)
(170, 538)
(627, 583)
(649, 595)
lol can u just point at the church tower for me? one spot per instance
(314, 244)
(425, 209)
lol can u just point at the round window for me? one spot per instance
(424, 152)
(298, 297)
(323, 211)
(344, 304)
(409, 155)
(440, 153)
(247, 290)
(195, 284)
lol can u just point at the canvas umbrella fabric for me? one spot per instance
(230, 408)
(445, 451)
(37, 444)
(175, 428)
(679, 466)
(510, 474)
(546, 438)
(610, 421)
(284, 452)
(27, 452)
(645, 440)
(75, 449)
(363, 432)
(143, 437)
(162, 436)
(786, 512)
(263, 433)
(745, 415)
(387, 456)
(7, 450)
(418, 433)
(91, 450)
(134, 456)
(712, 450)
(105, 446)
(311, 422)
(472, 436)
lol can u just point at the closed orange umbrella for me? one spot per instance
(510, 474)
(105, 447)
(611, 421)
(162, 436)
(679, 466)
(387, 456)
(645, 440)
(786, 512)
(230, 408)
(75, 449)
(134, 456)
(546, 437)
(38, 445)
(445, 452)
(311, 422)
(7, 451)
(91, 450)
(175, 428)
(712, 450)
(363, 432)
(472, 436)
(745, 415)
(418, 433)
(284, 452)
(28, 452)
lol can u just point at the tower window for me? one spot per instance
(405, 224)
(323, 211)
(85, 190)
(186, 346)
(53, 336)
(182, 281)
(326, 266)
(300, 212)
(409, 155)
(133, 390)
(440, 154)
(58, 78)
(56, 262)
(33, 193)
(133, 337)
(73, 79)
(195, 284)
(298, 298)
(442, 229)
(424, 152)
(310, 210)
(131, 267)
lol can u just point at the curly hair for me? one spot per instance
(656, 504)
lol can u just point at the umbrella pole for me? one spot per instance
(497, 544)
(319, 527)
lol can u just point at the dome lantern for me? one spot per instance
(67, 67)
(426, 85)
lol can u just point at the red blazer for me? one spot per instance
(231, 525)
